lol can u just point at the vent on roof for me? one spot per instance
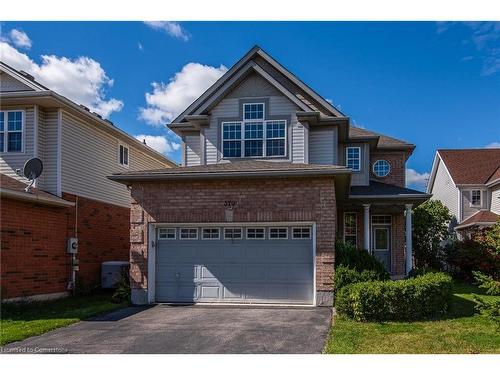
(27, 75)
(85, 108)
(97, 114)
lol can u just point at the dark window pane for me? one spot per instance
(275, 147)
(121, 154)
(253, 148)
(2, 135)
(2, 122)
(15, 121)
(254, 130)
(14, 142)
(231, 149)
(125, 156)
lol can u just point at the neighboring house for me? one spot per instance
(468, 183)
(72, 197)
(272, 175)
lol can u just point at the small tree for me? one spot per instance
(430, 228)
(490, 238)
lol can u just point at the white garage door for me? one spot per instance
(266, 264)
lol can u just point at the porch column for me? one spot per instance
(409, 240)
(366, 227)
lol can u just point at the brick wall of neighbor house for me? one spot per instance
(397, 160)
(33, 237)
(103, 235)
(258, 200)
(33, 251)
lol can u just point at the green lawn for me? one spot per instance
(462, 331)
(23, 320)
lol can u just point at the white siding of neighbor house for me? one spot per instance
(445, 190)
(9, 84)
(192, 144)
(467, 210)
(9, 162)
(89, 155)
(495, 200)
(323, 145)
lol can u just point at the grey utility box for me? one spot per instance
(110, 273)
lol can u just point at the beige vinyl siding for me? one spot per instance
(192, 144)
(47, 149)
(10, 161)
(298, 151)
(445, 190)
(228, 107)
(495, 200)
(323, 145)
(10, 84)
(254, 86)
(89, 155)
(361, 178)
(467, 210)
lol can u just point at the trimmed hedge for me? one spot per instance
(350, 256)
(345, 275)
(422, 297)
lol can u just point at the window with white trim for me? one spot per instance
(475, 198)
(123, 155)
(381, 168)
(233, 233)
(351, 227)
(253, 111)
(166, 233)
(189, 234)
(353, 158)
(278, 233)
(255, 233)
(211, 234)
(301, 233)
(11, 131)
(231, 139)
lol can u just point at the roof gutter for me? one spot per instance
(35, 198)
(478, 223)
(389, 196)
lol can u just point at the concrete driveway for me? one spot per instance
(189, 329)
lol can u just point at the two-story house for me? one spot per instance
(71, 199)
(272, 176)
(467, 181)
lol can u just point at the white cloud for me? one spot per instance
(159, 143)
(82, 79)
(415, 179)
(171, 28)
(493, 145)
(169, 99)
(20, 39)
(139, 45)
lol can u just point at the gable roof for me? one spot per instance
(23, 77)
(472, 166)
(482, 217)
(258, 60)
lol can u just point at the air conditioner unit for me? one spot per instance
(72, 247)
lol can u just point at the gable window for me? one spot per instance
(166, 234)
(350, 227)
(381, 168)
(255, 233)
(189, 234)
(253, 111)
(123, 155)
(210, 233)
(475, 198)
(353, 158)
(11, 131)
(232, 233)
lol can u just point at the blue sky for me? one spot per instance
(434, 84)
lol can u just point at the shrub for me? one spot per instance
(489, 309)
(122, 288)
(418, 298)
(345, 276)
(350, 256)
(463, 257)
(491, 285)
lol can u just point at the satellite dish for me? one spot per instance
(32, 170)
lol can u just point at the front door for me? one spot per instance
(381, 244)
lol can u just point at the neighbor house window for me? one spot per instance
(350, 227)
(210, 234)
(353, 158)
(381, 168)
(301, 233)
(255, 233)
(11, 131)
(278, 233)
(123, 155)
(189, 234)
(254, 137)
(232, 233)
(475, 198)
(166, 234)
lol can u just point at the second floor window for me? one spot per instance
(353, 158)
(475, 198)
(11, 131)
(123, 155)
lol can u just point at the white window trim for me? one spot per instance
(188, 239)
(480, 198)
(347, 157)
(301, 238)
(255, 238)
(208, 239)
(128, 155)
(343, 225)
(388, 172)
(6, 131)
(254, 119)
(232, 238)
(167, 239)
(278, 238)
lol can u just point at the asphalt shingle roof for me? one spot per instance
(471, 166)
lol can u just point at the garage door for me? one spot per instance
(272, 264)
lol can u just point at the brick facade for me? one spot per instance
(257, 200)
(397, 160)
(33, 238)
